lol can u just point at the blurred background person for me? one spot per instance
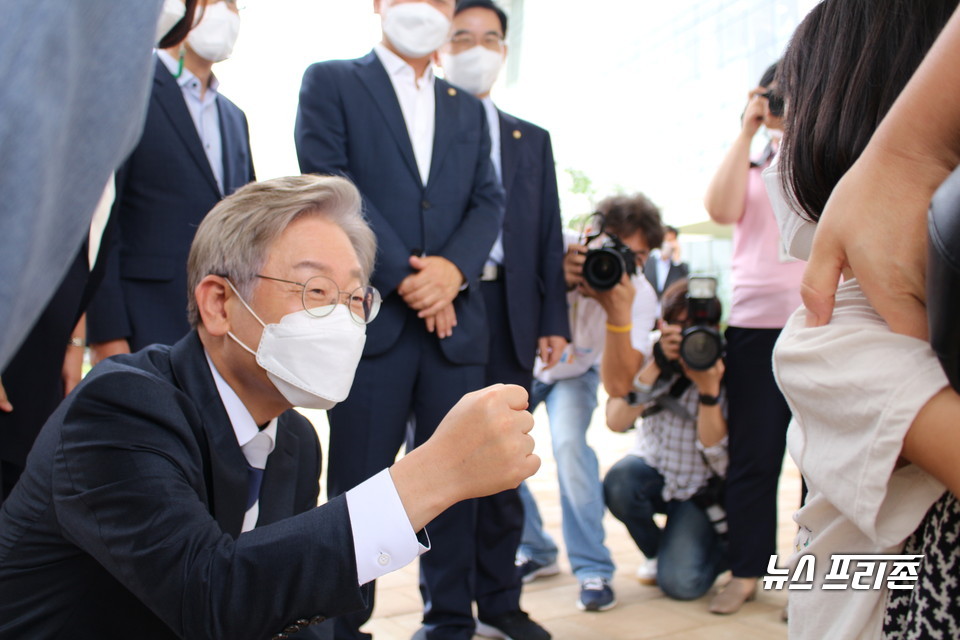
(523, 290)
(569, 391)
(766, 290)
(195, 149)
(665, 265)
(678, 463)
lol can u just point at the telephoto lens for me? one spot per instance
(604, 267)
(702, 345)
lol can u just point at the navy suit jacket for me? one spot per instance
(164, 189)
(349, 123)
(127, 522)
(532, 241)
(676, 272)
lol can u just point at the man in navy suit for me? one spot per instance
(172, 494)
(195, 149)
(419, 151)
(522, 285)
(664, 266)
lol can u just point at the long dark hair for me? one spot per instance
(179, 32)
(845, 65)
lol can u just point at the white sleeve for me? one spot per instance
(383, 539)
(644, 314)
(855, 388)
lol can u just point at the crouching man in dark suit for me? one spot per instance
(135, 516)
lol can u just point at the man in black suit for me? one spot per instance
(134, 515)
(419, 151)
(195, 149)
(664, 266)
(523, 288)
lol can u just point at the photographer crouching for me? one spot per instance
(680, 458)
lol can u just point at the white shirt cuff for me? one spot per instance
(383, 539)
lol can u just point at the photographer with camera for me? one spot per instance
(625, 231)
(680, 458)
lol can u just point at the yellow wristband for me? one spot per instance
(615, 328)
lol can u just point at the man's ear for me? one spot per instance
(211, 295)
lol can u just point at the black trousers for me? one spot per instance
(757, 424)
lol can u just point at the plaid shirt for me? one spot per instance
(668, 442)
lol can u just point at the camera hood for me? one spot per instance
(943, 276)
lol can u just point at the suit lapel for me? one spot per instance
(374, 77)
(510, 148)
(277, 493)
(226, 466)
(445, 129)
(170, 98)
(228, 142)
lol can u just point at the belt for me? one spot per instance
(491, 273)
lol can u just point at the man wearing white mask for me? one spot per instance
(523, 288)
(195, 150)
(137, 510)
(418, 149)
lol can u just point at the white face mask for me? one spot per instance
(415, 29)
(475, 69)
(311, 361)
(213, 38)
(796, 233)
(171, 13)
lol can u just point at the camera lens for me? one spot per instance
(701, 347)
(603, 268)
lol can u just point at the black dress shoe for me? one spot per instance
(513, 625)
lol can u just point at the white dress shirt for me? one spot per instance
(418, 102)
(203, 110)
(383, 539)
(493, 119)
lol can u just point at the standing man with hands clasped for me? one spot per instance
(523, 290)
(174, 493)
(418, 149)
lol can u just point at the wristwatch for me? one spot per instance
(709, 401)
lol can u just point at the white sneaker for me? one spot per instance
(647, 573)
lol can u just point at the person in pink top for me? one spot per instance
(766, 290)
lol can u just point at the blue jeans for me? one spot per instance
(690, 555)
(570, 405)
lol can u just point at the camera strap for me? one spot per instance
(670, 400)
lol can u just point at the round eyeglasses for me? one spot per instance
(320, 295)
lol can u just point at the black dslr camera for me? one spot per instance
(702, 345)
(604, 266)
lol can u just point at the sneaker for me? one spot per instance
(513, 625)
(596, 594)
(530, 570)
(647, 573)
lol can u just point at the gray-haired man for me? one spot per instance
(136, 508)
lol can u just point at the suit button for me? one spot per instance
(292, 629)
(317, 619)
(303, 622)
(280, 636)
(426, 204)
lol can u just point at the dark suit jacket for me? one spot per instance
(126, 523)
(164, 189)
(349, 123)
(676, 272)
(532, 242)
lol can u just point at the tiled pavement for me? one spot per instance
(642, 612)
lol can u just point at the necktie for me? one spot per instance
(256, 452)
